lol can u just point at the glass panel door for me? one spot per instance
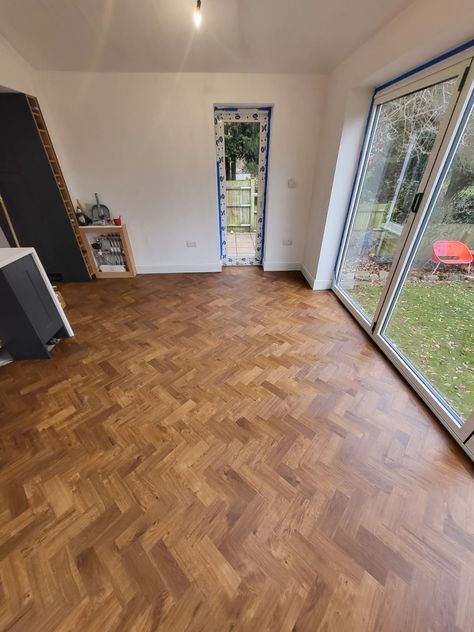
(430, 325)
(405, 133)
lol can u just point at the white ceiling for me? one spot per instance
(159, 36)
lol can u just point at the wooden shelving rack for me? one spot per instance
(109, 229)
(58, 176)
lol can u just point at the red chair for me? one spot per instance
(451, 253)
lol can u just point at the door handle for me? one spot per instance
(415, 205)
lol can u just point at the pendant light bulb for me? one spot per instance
(197, 15)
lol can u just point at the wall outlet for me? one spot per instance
(292, 183)
(287, 242)
(190, 244)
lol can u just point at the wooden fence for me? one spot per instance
(372, 231)
(241, 202)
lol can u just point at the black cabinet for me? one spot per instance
(29, 317)
(33, 192)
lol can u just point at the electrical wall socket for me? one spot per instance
(287, 242)
(291, 183)
(190, 244)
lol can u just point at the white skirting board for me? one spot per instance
(316, 284)
(268, 266)
(179, 268)
(323, 284)
(280, 266)
(308, 276)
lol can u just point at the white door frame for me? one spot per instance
(236, 115)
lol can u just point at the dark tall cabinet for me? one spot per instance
(28, 318)
(35, 193)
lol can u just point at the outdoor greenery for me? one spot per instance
(461, 207)
(405, 135)
(241, 145)
(406, 132)
(432, 326)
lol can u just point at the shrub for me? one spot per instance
(461, 207)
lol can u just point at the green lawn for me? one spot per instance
(432, 326)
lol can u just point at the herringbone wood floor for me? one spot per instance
(226, 452)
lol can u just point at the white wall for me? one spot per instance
(3, 240)
(15, 72)
(145, 143)
(426, 29)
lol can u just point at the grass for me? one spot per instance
(432, 326)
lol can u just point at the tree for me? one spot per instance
(460, 208)
(406, 132)
(455, 204)
(241, 143)
(460, 190)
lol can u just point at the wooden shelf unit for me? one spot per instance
(108, 229)
(58, 176)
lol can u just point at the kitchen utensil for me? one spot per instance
(100, 212)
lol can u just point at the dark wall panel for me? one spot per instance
(31, 194)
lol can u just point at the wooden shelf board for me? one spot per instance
(114, 275)
(96, 228)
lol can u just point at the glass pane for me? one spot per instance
(403, 138)
(242, 141)
(431, 324)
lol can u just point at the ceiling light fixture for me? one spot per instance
(197, 14)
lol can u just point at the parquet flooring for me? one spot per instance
(226, 452)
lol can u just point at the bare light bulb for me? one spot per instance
(197, 18)
(197, 14)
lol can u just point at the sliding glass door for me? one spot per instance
(430, 323)
(406, 268)
(406, 132)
